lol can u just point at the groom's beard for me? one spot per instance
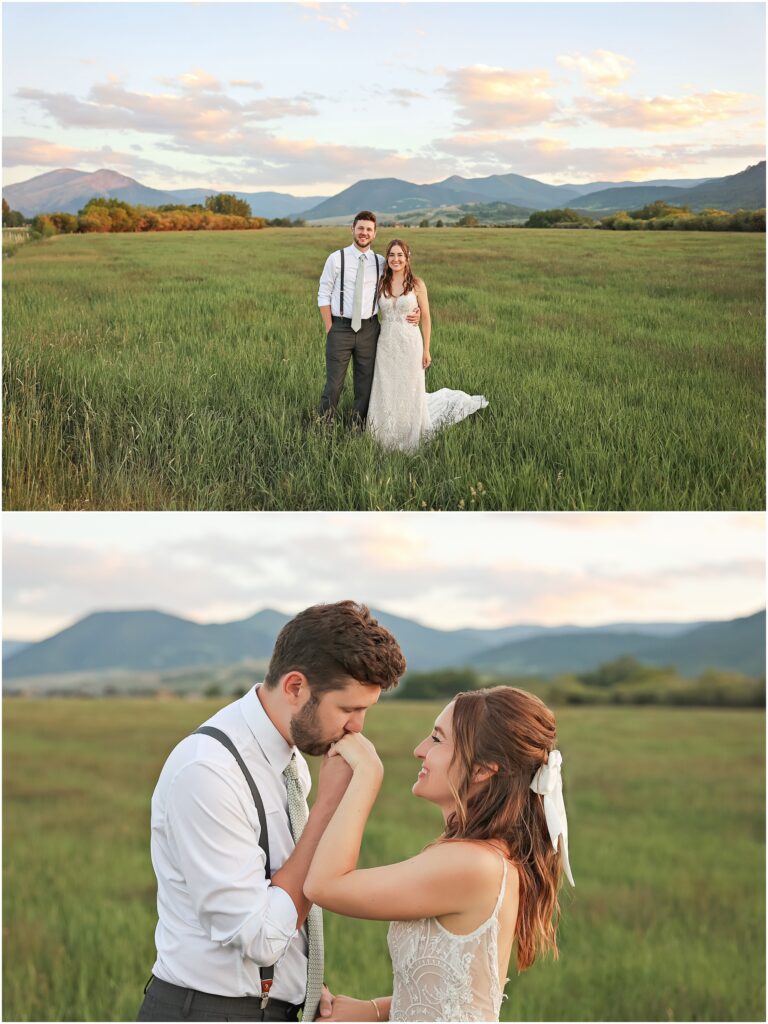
(306, 732)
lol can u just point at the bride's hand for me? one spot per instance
(347, 1008)
(358, 752)
(426, 361)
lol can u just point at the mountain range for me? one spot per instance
(150, 640)
(68, 190)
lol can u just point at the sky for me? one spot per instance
(446, 570)
(309, 98)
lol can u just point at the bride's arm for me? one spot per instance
(426, 320)
(347, 1008)
(443, 879)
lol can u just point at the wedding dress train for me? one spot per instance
(401, 414)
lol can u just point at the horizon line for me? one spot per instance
(383, 611)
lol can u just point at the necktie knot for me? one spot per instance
(291, 771)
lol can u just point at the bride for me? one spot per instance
(401, 413)
(490, 880)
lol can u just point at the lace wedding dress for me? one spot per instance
(442, 976)
(401, 414)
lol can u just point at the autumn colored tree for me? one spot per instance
(65, 223)
(43, 226)
(227, 202)
(548, 218)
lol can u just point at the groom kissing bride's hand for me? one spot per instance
(232, 836)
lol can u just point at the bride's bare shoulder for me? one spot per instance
(478, 858)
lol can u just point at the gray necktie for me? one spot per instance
(297, 815)
(357, 301)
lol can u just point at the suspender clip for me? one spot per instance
(266, 985)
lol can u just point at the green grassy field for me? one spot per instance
(170, 371)
(666, 812)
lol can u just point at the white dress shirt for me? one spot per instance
(329, 292)
(219, 918)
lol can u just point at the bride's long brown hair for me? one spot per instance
(409, 281)
(515, 730)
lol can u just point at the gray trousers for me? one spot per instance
(341, 345)
(164, 1002)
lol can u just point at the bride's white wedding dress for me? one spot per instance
(442, 976)
(401, 414)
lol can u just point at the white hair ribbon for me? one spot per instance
(549, 783)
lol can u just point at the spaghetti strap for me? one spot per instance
(503, 888)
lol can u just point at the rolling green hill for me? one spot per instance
(742, 191)
(738, 645)
(143, 640)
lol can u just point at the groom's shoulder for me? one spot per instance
(198, 748)
(334, 258)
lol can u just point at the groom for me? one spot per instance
(232, 838)
(348, 300)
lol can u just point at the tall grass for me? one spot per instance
(169, 371)
(667, 822)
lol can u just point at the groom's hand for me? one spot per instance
(325, 1008)
(414, 317)
(332, 782)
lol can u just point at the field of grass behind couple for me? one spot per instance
(150, 371)
(666, 817)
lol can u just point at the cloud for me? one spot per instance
(244, 83)
(491, 97)
(19, 150)
(338, 16)
(195, 81)
(405, 96)
(665, 113)
(601, 69)
(194, 113)
(495, 152)
(22, 151)
(511, 569)
(264, 157)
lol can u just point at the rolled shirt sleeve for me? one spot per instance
(327, 281)
(223, 866)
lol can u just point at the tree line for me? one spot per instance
(656, 216)
(622, 681)
(222, 212)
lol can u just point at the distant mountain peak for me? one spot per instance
(106, 178)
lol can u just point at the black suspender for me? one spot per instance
(266, 973)
(376, 290)
(341, 307)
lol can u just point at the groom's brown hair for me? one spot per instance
(364, 215)
(333, 643)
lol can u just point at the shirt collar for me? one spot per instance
(273, 746)
(358, 253)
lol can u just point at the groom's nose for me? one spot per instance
(355, 724)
